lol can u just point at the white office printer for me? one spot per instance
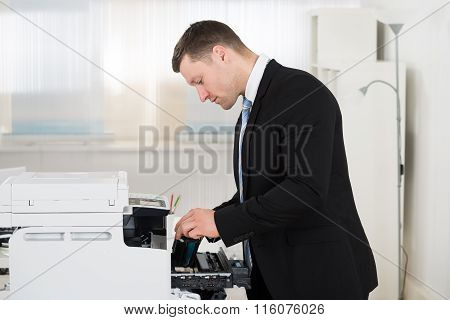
(83, 236)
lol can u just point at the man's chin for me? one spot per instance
(226, 106)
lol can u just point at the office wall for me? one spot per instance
(425, 49)
(104, 67)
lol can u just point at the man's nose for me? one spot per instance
(202, 93)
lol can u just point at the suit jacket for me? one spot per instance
(299, 211)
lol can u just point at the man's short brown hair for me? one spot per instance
(199, 39)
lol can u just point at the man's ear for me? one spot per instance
(219, 52)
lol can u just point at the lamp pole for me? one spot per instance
(396, 30)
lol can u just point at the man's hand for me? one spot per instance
(196, 224)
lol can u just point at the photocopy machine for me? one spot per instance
(81, 235)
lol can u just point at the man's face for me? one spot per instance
(213, 77)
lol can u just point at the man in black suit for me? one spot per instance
(294, 209)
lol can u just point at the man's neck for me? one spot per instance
(249, 62)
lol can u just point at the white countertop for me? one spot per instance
(112, 146)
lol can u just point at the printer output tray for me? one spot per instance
(211, 271)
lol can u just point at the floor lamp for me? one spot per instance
(396, 30)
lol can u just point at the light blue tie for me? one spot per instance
(246, 108)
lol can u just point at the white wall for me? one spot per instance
(426, 50)
(79, 87)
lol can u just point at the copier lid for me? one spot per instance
(69, 192)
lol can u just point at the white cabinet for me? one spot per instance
(342, 36)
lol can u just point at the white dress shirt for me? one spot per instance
(255, 77)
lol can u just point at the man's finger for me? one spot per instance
(186, 216)
(186, 220)
(195, 233)
(184, 229)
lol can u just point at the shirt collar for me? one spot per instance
(255, 77)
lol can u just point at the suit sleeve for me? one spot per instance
(304, 187)
(233, 200)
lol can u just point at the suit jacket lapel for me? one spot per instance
(269, 72)
(237, 130)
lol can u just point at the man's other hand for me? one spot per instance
(196, 224)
